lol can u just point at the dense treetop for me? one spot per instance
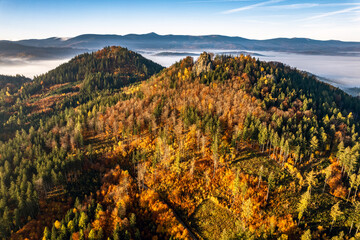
(111, 67)
(12, 82)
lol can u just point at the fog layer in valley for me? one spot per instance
(28, 68)
(341, 71)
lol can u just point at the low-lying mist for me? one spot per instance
(28, 68)
(341, 71)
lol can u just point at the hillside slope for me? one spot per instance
(72, 83)
(32, 164)
(12, 82)
(223, 148)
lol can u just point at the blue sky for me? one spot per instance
(256, 19)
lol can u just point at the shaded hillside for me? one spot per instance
(9, 85)
(13, 83)
(33, 166)
(73, 83)
(111, 67)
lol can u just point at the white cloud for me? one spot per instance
(328, 14)
(251, 6)
(216, 1)
(311, 5)
(296, 6)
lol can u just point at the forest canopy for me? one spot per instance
(111, 145)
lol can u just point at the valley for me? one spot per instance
(339, 70)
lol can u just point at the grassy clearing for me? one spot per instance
(250, 161)
(210, 219)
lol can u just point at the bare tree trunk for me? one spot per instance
(279, 154)
(270, 149)
(356, 189)
(324, 186)
(332, 224)
(274, 152)
(352, 224)
(259, 182)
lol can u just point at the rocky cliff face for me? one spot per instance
(203, 64)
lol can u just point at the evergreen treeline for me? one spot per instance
(109, 68)
(43, 150)
(13, 83)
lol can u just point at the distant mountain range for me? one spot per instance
(10, 49)
(54, 48)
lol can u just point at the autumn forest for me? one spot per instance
(111, 145)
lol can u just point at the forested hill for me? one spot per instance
(31, 161)
(12, 83)
(70, 84)
(220, 148)
(109, 68)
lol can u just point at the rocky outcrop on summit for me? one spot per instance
(203, 64)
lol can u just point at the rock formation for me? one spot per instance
(203, 64)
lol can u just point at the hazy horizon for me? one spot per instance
(253, 19)
(198, 35)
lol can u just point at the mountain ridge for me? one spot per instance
(154, 34)
(154, 41)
